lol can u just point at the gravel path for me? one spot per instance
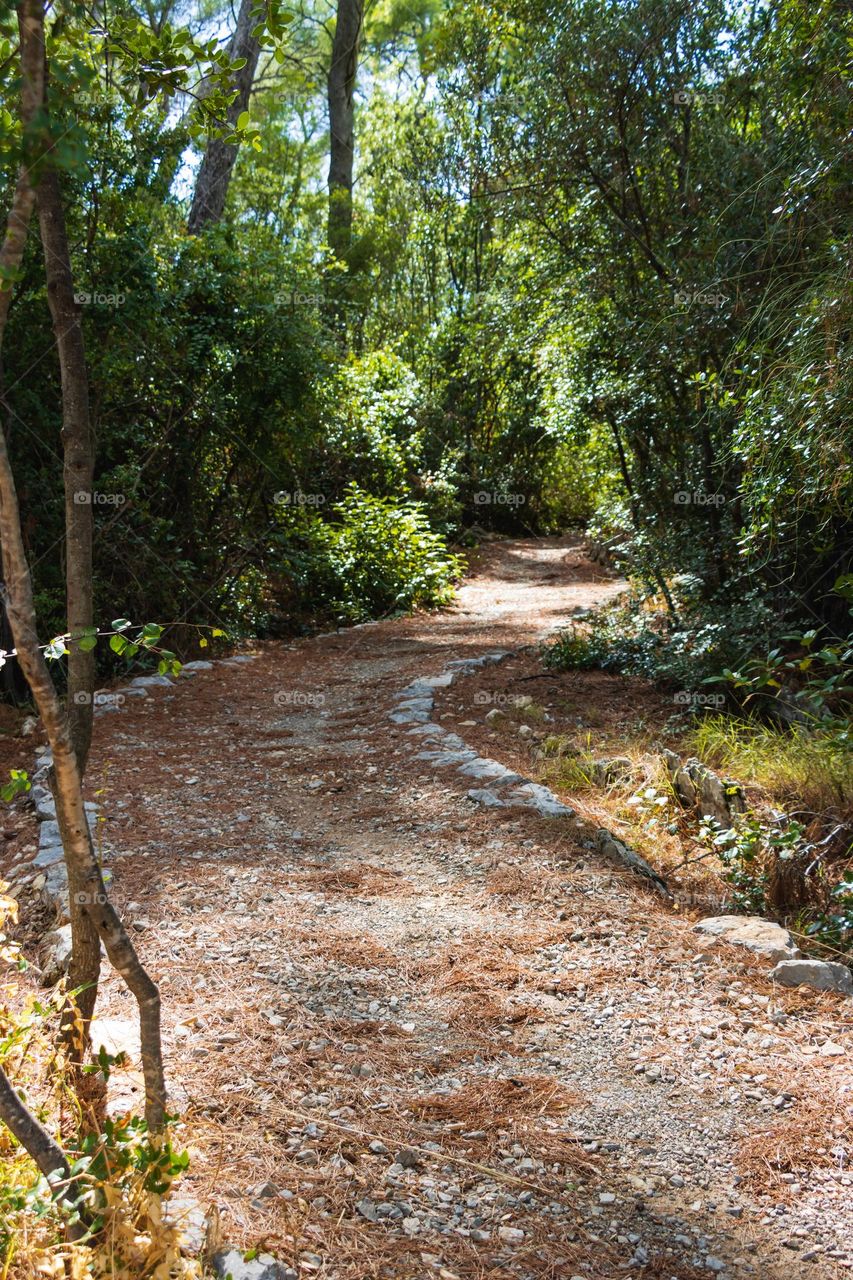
(414, 1038)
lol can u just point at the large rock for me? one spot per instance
(821, 975)
(230, 1263)
(699, 787)
(762, 937)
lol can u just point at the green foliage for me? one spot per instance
(18, 785)
(376, 556)
(744, 851)
(640, 635)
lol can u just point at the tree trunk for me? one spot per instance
(341, 93)
(84, 873)
(78, 454)
(214, 176)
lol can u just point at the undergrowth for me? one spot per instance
(114, 1224)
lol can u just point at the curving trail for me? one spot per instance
(415, 1038)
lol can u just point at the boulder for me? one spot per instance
(821, 975)
(762, 937)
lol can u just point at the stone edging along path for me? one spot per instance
(49, 875)
(502, 788)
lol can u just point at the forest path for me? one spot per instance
(416, 1038)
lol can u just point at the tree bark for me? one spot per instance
(78, 456)
(214, 176)
(84, 873)
(343, 70)
(32, 1135)
(78, 472)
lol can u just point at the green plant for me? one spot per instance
(797, 766)
(743, 850)
(834, 926)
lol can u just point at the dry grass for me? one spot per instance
(361, 879)
(816, 1134)
(487, 1103)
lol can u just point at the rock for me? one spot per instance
(44, 803)
(152, 682)
(229, 1265)
(481, 795)
(820, 975)
(116, 1036)
(511, 1235)
(199, 665)
(608, 773)
(613, 848)
(481, 768)
(698, 786)
(56, 952)
(525, 731)
(762, 937)
(187, 1215)
(495, 716)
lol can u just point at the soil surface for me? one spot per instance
(410, 1037)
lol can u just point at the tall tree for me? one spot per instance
(341, 82)
(214, 176)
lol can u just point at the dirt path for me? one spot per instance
(415, 1038)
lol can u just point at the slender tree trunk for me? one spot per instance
(341, 82)
(78, 452)
(78, 455)
(83, 868)
(214, 176)
(84, 873)
(32, 1135)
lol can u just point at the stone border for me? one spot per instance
(502, 788)
(47, 873)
